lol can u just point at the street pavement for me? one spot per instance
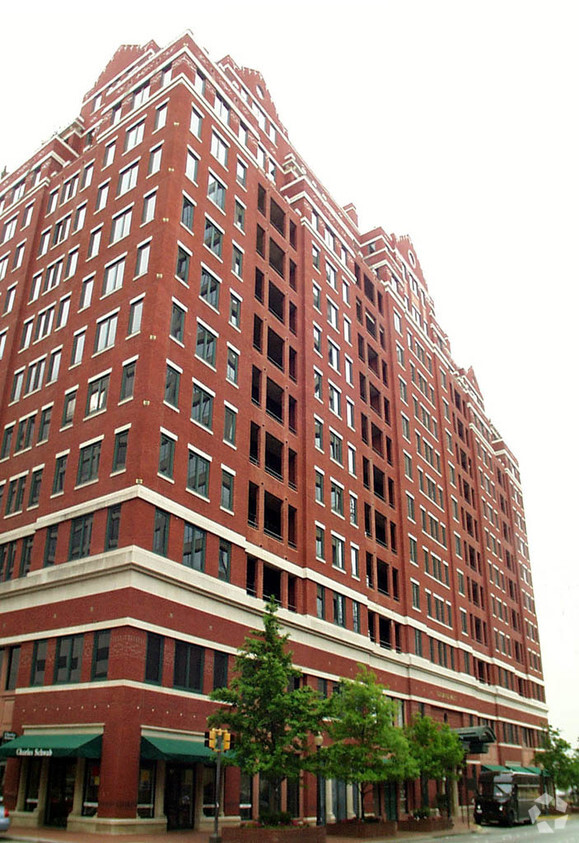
(564, 832)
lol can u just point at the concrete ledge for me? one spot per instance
(115, 825)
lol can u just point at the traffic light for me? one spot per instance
(211, 738)
(226, 743)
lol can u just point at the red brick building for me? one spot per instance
(216, 389)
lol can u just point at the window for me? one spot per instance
(113, 276)
(339, 607)
(241, 173)
(232, 365)
(220, 666)
(102, 196)
(191, 166)
(188, 671)
(237, 261)
(229, 425)
(206, 344)
(227, 484)
(9, 299)
(161, 531)
(183, 261)
(69, 407)
(113, 527)
(210, 287)
(187, 209)
(79, 218)
(109, 155)
(166, 455)
(120, 450)
(216, 191)
(7, 442)
(100, 655)
(44, 426)
(202, 406)
(50, 546)
(213, 238)
(68, 660)
(198, 474)
(415, 595)
(196, 122)
(337, 498)
(142, 262)
(135, 316)
(321, 602)
(96, 399)
(338, 559)
(335, 398)
(336, 447)
(219, 148)
(234, 310)
(319, 434)
(177, 328)
(134, 136)
(86, 292)
(320, 542)
(154, 658)
(94, 242)
(128, 381)
(172, 382)
(80, 536)
(155, 160)
(88, 463)
(149, 207)
(239, 215)
(194, 544)
(106, 332)
(332, 314)
(127, 179)
(38, 663)
(161, 112)
(35, 483)
(319, 486)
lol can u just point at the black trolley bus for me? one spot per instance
(507, 795)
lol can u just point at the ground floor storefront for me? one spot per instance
(59, 780)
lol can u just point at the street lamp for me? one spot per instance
(320, 784)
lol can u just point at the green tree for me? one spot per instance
(365, 744)
(271, 719)
(437, 751)
(558, 759)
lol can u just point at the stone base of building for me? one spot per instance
(102, 825)
(116, 825)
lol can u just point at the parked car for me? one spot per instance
(4, 818)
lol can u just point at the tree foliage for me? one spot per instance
(365, 744)
(436, 749)
(559, 760)
(272, 721)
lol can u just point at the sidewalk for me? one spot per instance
(55, 835)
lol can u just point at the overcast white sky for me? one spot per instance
(449, 120)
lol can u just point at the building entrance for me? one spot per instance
(60, 792)
(179, 796)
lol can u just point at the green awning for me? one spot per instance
(176, 749)
(517, 768)
(53, 745)
(494, 768)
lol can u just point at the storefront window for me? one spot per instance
(92, 778)
(32, 784)
(146, 795)
(246, 797)
(208, 791)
